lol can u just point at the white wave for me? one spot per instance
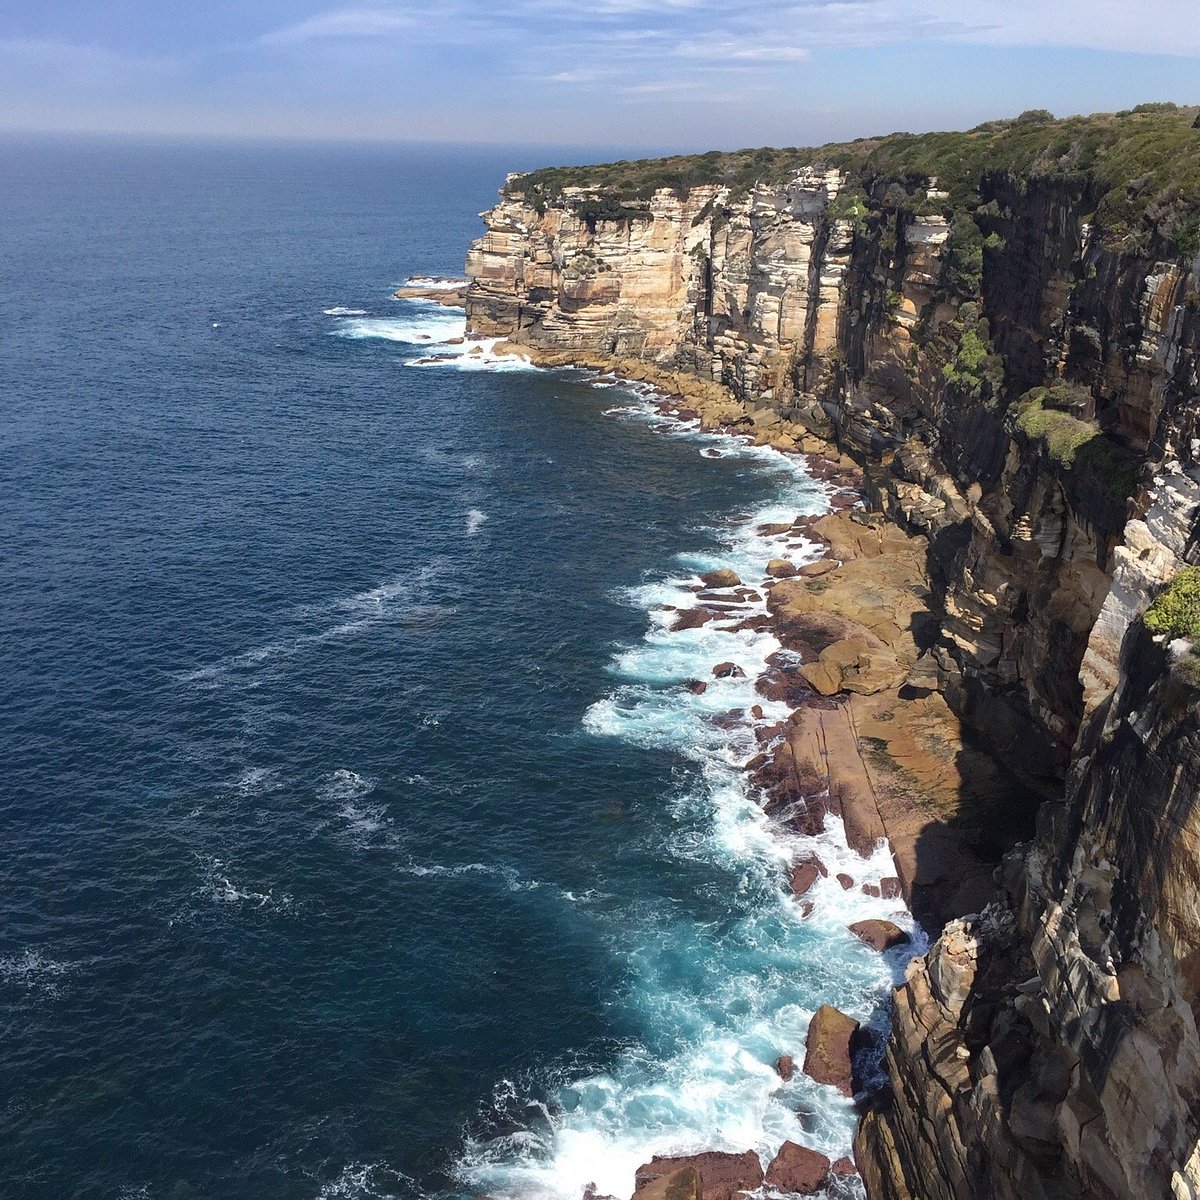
(434, 283)
(33, 972)
(367, 1181)
(473, 354)
(475, 519)
(506, 874)
(395, 600)
(339, 310)
(717, 1006)
(433, 326)
(218, 888)
(360, 821)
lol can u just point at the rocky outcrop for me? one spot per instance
(1020, 388)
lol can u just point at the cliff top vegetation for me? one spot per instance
(1140, 168)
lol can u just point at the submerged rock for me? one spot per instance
(785, 1067)
(728, 670)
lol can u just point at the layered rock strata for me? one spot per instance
(1024, 407)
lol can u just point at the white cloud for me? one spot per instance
(744, 51)
(344, 23)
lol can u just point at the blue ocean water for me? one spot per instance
(360, 838)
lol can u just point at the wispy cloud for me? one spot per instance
(342, 23)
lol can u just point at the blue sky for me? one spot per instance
(642, 74)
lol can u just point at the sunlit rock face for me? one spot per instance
(1047, 1046)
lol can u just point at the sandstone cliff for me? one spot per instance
(1012, 357)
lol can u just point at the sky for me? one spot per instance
(653, 75)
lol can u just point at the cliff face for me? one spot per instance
(1024, 396)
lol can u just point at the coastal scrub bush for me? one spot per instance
(1094, 461)
(972, 362)
(1061, 433)
(1176, 610)
(1138, 171)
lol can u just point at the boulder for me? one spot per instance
(785, 1067)
(880, 935)
(845, 880)
(798, 1170)
(723, 578)
(720, 1176)
(697, 687)
(683, 1184)
(728, 670)
(781, 568)
(825, 678)
(805, 872)
(693, 618)
(815, 570)
(844, 1167)
(828, 1048)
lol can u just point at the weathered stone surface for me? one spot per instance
(683, 1184)
(781, 568)
(798, 1170)
(880, 935)
(805, 872)
(721, 1176)
(722, 578)
(828, 1048)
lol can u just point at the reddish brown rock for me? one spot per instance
(880, 935)
(785, 1067)
(844, 1167)
(889, 887)
(845, 880)
(728, 670)
(683, 1184)
(697, 687)
(798, 1170)
(724, 578)
(816, 569)
(805, 872)
(721, 1176)
(756, 711)
(693, 618)
(828, 1048)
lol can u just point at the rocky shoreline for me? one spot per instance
(1012, 358)
(869, 739)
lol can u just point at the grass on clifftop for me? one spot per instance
(1140, 168)
(1176, 610)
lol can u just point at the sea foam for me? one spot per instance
(716, 1005)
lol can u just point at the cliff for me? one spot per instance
(1003, 328)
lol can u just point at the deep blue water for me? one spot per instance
(354, 844)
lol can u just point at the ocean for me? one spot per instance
(361, 837)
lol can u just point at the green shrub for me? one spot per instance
(1176, 610)
(1061, 433)
(1079, 447)
(1139, 171)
